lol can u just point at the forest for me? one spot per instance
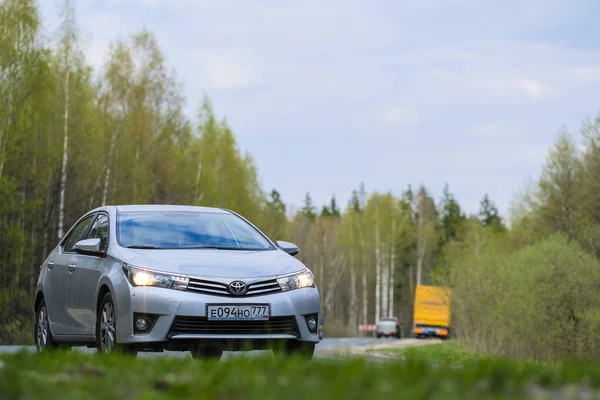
(73, 138)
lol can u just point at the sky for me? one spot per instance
(326, 94)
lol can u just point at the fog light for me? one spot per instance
(312, 324)
(142, 324)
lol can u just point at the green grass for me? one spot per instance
(87, 376)
(449, 351)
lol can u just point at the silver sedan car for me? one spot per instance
(159, 277)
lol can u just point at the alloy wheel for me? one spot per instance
(107, 328)
(41, 337)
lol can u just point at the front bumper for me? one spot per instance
(176, 309)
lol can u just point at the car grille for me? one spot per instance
(215, 288)
(201, 325)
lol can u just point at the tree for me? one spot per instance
(426, 233)
(354, 203)
(332, 210)
(335, 211)
(68, 42)
(559, 196)
(308, 210)
(451, 215)
(488, 214)
(276, 224)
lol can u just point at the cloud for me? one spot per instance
(318, 90)
(534, 89)
(401, 115)
(227, 72)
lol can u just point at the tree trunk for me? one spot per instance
(392, 268)
(135, 174)
(4, 132)
(385, 284)
(411, 290)
(21, 225)
(377, 270)
(421, 240)
(420, 260)
(63, 170)
(392, 278)
(338, 267)
(353, 311)
(34, 221)
(365, 287)
(1, 153)
(96, 186)
(111, 151)
(198, 192)
(105, 189)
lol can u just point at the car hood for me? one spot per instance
(212, 262)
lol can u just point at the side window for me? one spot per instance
(77, 234)
(100, 230)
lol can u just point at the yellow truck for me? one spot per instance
(431, 316)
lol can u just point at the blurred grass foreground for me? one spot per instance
(77, 375)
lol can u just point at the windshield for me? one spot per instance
(181, 230)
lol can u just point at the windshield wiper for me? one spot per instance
(142, 247)
(213, 247)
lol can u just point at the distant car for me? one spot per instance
(159, 277)
(388, 327)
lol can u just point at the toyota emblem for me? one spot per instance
(237, 288)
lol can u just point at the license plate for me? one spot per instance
(238, 312)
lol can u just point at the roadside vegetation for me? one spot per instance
(73, 137)
(450, 352)
(79, 375)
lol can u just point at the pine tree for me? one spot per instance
(488, 214)
(308, 209)
(451, 215)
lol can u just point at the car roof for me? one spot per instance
(168, 207)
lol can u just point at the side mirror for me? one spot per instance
(89, 246)
(288, 247)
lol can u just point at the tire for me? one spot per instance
(297, 348)
(207, 353)
(41, 330)
(106, 329)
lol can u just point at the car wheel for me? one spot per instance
(106, 329)
(297, 348)
(43, 337)
(207, 353)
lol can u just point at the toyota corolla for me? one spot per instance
(156, 277)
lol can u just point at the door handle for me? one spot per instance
(71, 268)
(50, 265)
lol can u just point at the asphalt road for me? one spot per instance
(323, 349)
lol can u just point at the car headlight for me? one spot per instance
(300, 280)
(141, 277)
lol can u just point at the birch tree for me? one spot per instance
(67, 47)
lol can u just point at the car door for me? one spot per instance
(55, 286)
(84, 281)
(64, 262)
